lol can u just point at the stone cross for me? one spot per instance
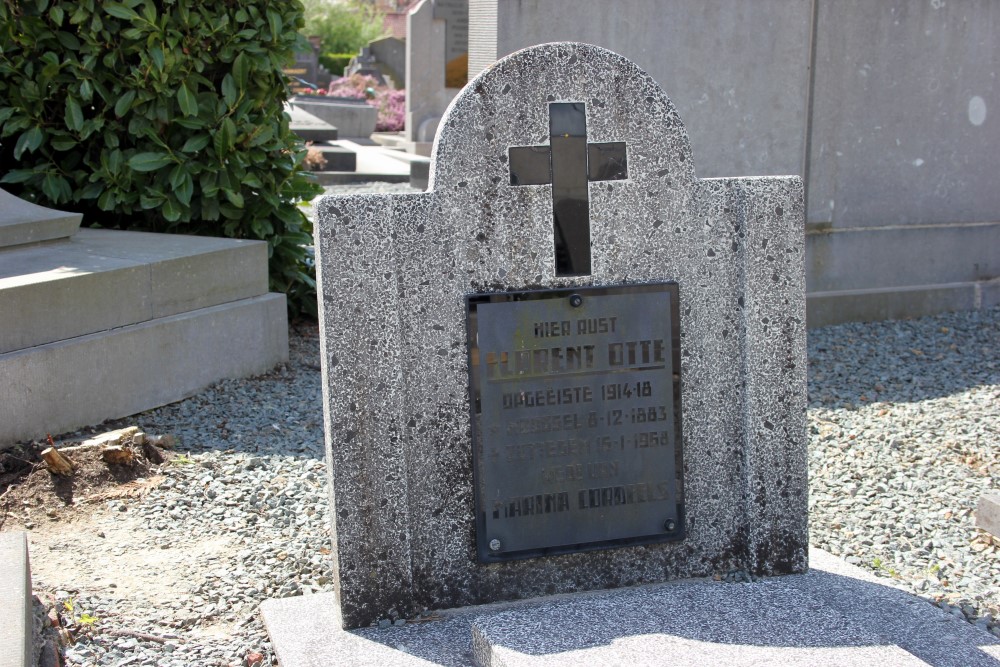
(568, 163)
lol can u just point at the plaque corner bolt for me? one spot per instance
(576, 300)
(669, 525)
(495, 544)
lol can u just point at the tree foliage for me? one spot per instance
(343, 27)
(160, 115)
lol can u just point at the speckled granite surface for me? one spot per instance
(393, 271)
(834, 615)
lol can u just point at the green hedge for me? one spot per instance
(336, 62)
(162, 116)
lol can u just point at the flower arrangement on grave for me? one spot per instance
(390, 102)
(314, 160)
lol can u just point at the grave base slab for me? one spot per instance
(338, 158)
(85, 380)
(835, 614)
(110, 323)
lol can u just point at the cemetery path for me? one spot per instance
(85, 539)
(94, 551)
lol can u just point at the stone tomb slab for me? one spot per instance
(351, 117)
(15, 601)
(307, 126)
(23, 222)
(619, 205)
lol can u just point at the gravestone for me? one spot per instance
(455, 14)
(570, 364)
(302, 74)
(365, 64)
(384, 59)
(390, 54)
(436, 65)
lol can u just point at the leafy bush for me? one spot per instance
(336, 63)
(162, 115)
(390, 102)
(343, 27)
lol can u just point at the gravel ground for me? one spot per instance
(905, 427)
(241, 517)
(904, 420)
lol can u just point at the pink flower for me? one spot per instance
(390, 102)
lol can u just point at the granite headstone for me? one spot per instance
(562, 184)
(434, 71)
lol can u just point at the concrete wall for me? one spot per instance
(903, 203)
(889, 109)
(737, 126)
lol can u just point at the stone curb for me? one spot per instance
(15, 601)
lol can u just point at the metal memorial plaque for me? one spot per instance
(576, 419)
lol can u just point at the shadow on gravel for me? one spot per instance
(278, 413)
(903, 361)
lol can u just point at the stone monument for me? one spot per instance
(437, 38)
(570, 364)
(455, 14)
(98, 324)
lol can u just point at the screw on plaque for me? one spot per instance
(494, 544)
(576, 300)
(669, 525)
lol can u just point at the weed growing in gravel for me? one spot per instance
(182, 460)
(84, 619)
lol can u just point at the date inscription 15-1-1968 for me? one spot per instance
(575, 419)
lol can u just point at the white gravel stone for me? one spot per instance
(904, 420)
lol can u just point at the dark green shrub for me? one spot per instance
(336, 62)
(163, 116)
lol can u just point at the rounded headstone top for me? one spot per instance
(508, 104)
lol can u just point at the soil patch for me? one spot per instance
(31, 495)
